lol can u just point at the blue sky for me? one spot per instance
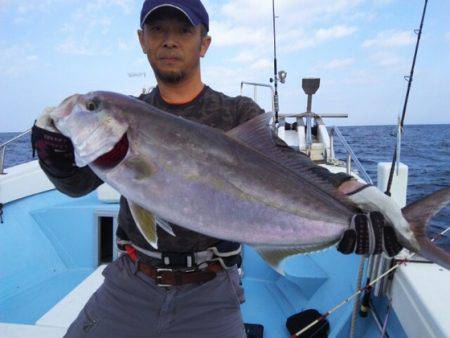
(361, 49)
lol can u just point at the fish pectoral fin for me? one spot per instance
(274, 256)
(163, 224)
(146, 223)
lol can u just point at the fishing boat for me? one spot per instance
(54, 248)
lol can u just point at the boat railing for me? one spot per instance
(351, 156)
(4, 145)
(255, 86)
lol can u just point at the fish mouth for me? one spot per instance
(100, 142)
(115, 155)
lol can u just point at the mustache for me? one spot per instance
(168, 56)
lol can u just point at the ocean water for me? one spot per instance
(425, 149)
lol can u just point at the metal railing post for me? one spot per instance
(3, 148)
(308, 132)
(255, 85)
(349, 164)
(349, 150)
(2, 159)
(332, 145)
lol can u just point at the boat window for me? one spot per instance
(105, 239)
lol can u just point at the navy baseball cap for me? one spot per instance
(193, 9)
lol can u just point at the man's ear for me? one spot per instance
(206, 42)
(140, 34)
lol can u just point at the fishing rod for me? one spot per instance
(357, 293)
(367, 288)
(409, 79)
(275, 67)
(396, 156)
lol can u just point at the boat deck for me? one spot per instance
(51, 265)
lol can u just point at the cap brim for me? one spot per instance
(167, 5)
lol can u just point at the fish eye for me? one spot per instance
(91, 105)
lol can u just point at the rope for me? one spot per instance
(357, 300)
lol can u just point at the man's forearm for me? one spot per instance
(79, 183)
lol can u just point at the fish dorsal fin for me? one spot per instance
(257, 134)
(254, 131)
(146, 223)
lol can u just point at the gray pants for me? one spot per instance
(129, 305)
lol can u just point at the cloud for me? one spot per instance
(25, 12)
(251, 12)
(83, 48)
(447, 36)
(245, 56)
(390, 38)
(262, 64)
(382, 2)
(81, 30)
(339, 63)
(223, 77)
(126, 46)
(17, 60)
(335, 32)
(249, 22)
(321, 35)
(387, 59)
(360, 77)
(26, 7)
(226, 34)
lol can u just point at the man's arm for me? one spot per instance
(79, 182)
(56, 158)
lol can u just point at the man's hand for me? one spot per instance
(55, 151)
(45, 121)
(371, 232)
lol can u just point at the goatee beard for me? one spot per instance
(169, 77)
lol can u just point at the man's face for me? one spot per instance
(173, 46)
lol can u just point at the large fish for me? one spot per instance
(237, 185)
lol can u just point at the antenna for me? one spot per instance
(141, 74)
(277, 75)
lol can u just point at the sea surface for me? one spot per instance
(425, 150)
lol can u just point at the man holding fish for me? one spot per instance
(178, 274)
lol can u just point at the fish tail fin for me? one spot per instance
(418, 215)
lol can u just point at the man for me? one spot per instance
(193, 295)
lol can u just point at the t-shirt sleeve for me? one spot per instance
(246, 109)
(79, 183)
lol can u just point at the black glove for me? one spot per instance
(55, 151)
(369, 234)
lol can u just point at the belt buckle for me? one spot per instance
(159, 276)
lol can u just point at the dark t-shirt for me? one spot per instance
(211, 108)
